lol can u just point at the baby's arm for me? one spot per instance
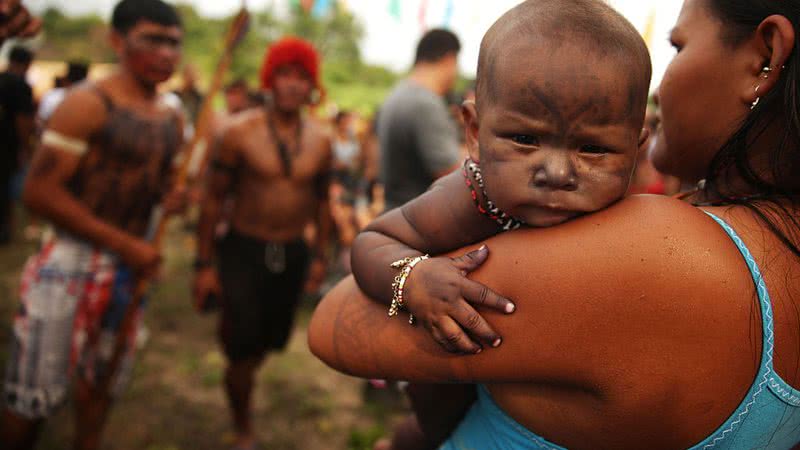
(437, 291)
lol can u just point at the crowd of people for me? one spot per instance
(545, 303)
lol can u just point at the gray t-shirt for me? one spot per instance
(418, 139)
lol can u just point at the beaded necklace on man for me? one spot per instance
(274, 252)
(286, 155)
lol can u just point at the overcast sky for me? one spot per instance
(390, 42)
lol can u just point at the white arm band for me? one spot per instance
(58, 141)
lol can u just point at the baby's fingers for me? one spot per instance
(452, 338)
(475, 324)
(471, 260)
(479, 294)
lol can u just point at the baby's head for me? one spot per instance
(561, 96)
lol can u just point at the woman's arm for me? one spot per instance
(624, 284)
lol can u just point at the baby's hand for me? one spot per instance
(439, 294)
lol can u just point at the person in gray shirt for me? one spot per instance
(418, 138)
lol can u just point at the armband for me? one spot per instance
(58, 141)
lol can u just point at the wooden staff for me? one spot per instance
(235, 34)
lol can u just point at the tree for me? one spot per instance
(348, 81)
(74, 38)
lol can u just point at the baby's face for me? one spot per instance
(556, 132)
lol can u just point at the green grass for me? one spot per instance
(175, 400)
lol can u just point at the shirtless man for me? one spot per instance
(104, 163)
(273, 163)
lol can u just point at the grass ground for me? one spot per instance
(175, 400)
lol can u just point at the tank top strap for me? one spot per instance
(765, 304)
(109, 104)
(760, 409)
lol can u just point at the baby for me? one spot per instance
(553, 135)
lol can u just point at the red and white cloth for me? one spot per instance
(72, 300)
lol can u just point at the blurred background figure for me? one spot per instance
(16, 129)
(346, 177)
(646, 179)
(418, 139)
(189, 93)
(346, 149)
(237, 96)
(370, 199)
(76, 73)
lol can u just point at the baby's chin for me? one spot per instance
(543, 218)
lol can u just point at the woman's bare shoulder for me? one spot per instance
(637, 226)
(631, 282)
(652, 243)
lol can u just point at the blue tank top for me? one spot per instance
(767, 418)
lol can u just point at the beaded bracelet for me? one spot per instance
(405, 265)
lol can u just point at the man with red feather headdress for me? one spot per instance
(272, 162)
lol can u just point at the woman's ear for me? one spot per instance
(470, 114)
(774, 44)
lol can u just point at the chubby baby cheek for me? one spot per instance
(610, 187)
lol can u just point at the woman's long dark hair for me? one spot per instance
(776, 193)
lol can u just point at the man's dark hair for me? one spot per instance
(20, 55)
(77, 72)
(340, 116)
(128, 13)
(238, 84)
(435, 45)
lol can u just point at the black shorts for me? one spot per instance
(262, 284)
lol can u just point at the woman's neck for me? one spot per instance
(748, 182)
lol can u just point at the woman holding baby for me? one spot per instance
(657, 322)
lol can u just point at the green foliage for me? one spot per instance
(365, 438)
(348, 81)
(74, 38)
(336, 35)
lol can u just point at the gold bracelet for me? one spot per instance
(405, 265)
